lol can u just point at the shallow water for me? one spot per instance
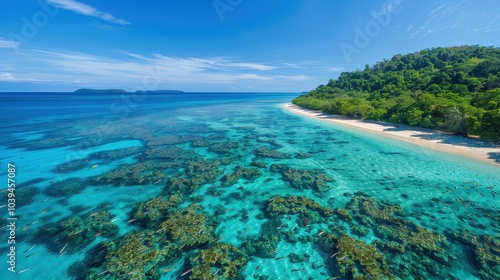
(149, 187)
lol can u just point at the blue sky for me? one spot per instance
(222, 45)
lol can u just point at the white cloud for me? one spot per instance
(134, 70)
(466, 16)
(389, 6)
(6, 77)
(87, 10)
(292, 65)
(108, 27)
(6, 43)
(335, 69)
(295, 78)
(423, 27)
(139, 71)
(410, 27)
(254, 66)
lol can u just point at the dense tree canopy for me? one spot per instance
(455, 89)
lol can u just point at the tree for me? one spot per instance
(490, 125)
(455, 121)
(414, 116)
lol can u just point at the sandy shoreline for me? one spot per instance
(461, 146)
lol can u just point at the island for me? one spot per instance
(452, 89)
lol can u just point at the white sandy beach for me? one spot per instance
(461, 146)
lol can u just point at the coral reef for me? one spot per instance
(302, 155)
(200, 142)
(197, 172)
(75, 233)
(65, 188)
(399, 236)
(360, 230)
(423, 250)
(246, 173)
(223, 147)
(195, 166)
(303, 179)
(271, 142)
(169, 153)
(137, 256)
(343, 214)
(378, 212)
(354, 258)
(485, 251)
(218, 261)
(279, 205)
(188, 228)
(269, 153)
(153, 212)
(117, 154)
(142, 254)
(26, 194)
(141, 173)
(164, 140)
(386, 223)
(258, 164)
(299, 258)
(71, 166)
(264, 246)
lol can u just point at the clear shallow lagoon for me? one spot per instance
(231, 185)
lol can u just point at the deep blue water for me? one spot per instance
(232, 186)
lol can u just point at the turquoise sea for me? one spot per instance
(231, 186)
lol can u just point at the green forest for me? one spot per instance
(455, 89)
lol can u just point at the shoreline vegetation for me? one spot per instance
(452, 89)
(486, 152)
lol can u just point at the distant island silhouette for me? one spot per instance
(88, 90)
